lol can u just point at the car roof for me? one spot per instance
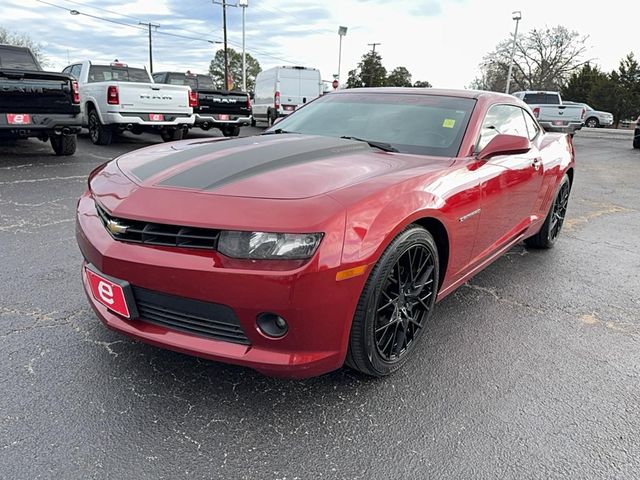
(441, 92)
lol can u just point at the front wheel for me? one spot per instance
(396, 304)
(172, 134)
(64, 145)
(552, 225)
(592, 122)
(231, 131)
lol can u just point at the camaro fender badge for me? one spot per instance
(116, 228)
(470, 214)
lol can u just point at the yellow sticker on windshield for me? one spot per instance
(449, 123)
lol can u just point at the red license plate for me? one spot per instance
(18, 118)
(223, 117)
(156, 117)
(109, 293)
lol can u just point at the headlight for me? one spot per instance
(268, 246)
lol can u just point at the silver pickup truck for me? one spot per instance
(552, 114)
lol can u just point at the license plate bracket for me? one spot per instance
(18, 119)
(112, 293)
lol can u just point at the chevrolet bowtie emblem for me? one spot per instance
(116, 228)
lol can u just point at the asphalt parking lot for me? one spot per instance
(532, 370)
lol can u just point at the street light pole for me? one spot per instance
(342, 31)
(244, 4)
(516, 16)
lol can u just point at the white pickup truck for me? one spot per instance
(552, 114)
(117, 98)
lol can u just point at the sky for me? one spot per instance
(440, 41)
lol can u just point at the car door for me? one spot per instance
(510, 184)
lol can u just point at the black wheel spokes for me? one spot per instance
(559, 210)
(404, 302)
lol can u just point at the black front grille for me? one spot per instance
(158, 233)
(192, 316)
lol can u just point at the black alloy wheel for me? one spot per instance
(396, 304)
(559, 210)
(404, 302)
(552, 226)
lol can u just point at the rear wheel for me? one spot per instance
(270, 118)
(100, 134)
(636, 142)
(592, 122)
(395, 305)
(552, 225)
(171, 134)
(64, 145)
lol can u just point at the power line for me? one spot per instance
(103, 10)
(165, 33)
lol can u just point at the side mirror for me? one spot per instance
(277, 120)
(252, 96)
(503, 144)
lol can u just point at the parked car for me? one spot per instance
(552, 114)
(636, 134)
(115, 98)
(223, 109)
(326, 239)
(280, 90)
(35, 103)
(594, 118)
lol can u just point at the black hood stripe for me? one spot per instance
(154, 167)
(245, 164)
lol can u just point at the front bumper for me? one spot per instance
(41, 124)
(213, 120)
(142, 119)
(317, 308)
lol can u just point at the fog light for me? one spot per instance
(272, 325)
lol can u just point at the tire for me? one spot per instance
(253, 121)
(270, 119)
(64, 145)
(230, 130)
(387, 325)
(100, 134)
(172, 134)
(636, 142)
(592, 122)
(548, 234)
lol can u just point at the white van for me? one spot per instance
(280, 90)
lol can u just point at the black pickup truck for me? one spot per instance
(34, 103)
(226, 110)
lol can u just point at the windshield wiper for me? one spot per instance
(385, 147)
(277, 131)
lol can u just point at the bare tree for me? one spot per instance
(21, 40)
(543, 60)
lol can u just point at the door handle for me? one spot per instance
(537, 163)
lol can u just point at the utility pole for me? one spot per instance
(517, 16)
(244, 4)
(342, 31)
(373, 46)
(150, 25)
(226, 58)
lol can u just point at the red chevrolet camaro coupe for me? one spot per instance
(326, 240)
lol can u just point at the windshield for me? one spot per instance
(410, 123)
(196, 82)
(100, 73)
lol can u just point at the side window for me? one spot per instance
(66, 70)
(157, 77)
(506, 119)
(75, 71)
(532, 127)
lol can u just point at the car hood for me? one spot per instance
(286, 166)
